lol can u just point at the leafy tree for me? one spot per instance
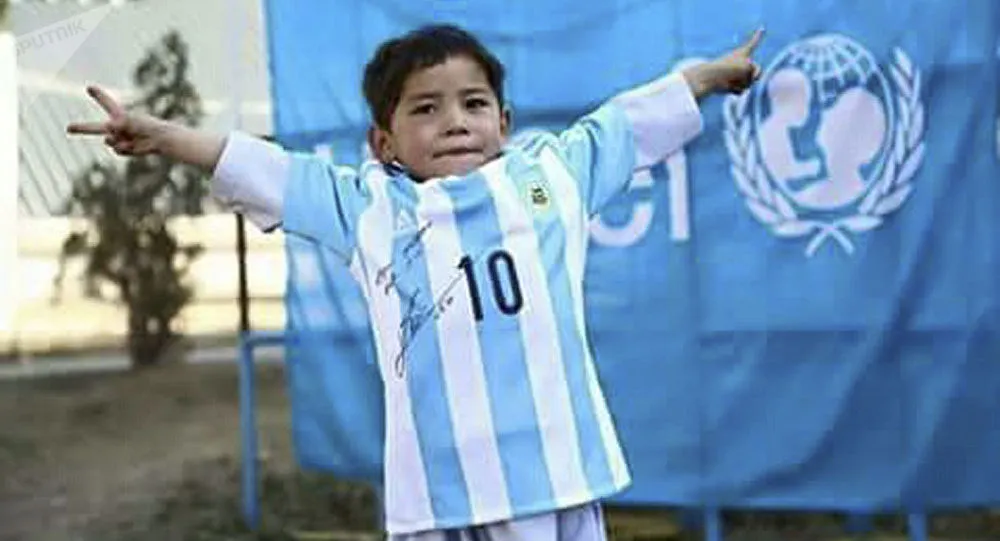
(127, 243)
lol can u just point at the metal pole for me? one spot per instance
(241, 254)
(235, 62)
(248, 435)
(248, 421)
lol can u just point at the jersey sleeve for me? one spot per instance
(633, 131)
(301, 193)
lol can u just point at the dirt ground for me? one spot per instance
(89, 457)
(154, 455)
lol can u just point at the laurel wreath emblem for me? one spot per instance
(772, 208)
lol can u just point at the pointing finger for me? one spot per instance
(751, 45)
(106, 102)
(87, 128)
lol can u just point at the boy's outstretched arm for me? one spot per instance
(664, 114)
(640, 127)
(249, 175)
(272, 187)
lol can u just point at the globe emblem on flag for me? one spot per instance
(827, 143)
(829, 88)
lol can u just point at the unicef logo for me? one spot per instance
(827, 144)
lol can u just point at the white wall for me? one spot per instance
(41, 325)
(8, 177)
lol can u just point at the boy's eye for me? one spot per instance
(423, 109)
(476, 103)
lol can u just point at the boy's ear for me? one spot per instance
(506, 120)
(381, 144)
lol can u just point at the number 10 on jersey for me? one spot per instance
(503, 283)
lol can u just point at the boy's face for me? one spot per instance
(447, 122)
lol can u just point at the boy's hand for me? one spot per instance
(733, 72)
(134, 134)
(128, 134)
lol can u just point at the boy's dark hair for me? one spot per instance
(398, 58)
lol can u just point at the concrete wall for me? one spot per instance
(43, 322)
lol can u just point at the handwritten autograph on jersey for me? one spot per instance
(418, 306)
(387, 276)
(416, 314)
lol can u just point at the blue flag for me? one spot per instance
(800, 310)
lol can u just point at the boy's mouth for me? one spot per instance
(457, 152)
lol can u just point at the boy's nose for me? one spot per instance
(456, 130)
(456, 122)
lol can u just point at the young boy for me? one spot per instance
(470, 253)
